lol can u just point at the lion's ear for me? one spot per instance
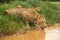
(6, 10)
(19, 6)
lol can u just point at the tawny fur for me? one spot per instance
(29, 15)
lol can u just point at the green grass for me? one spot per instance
(51, 12)
(56, 3)
(10, 24)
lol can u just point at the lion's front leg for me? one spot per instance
(27, 25)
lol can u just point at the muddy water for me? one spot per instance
(32, 35)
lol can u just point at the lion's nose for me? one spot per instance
(6, 10)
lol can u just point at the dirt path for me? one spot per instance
(32, 35)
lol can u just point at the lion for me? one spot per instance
(29, 15)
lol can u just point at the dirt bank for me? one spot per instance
(52, 32)
(31, 35)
